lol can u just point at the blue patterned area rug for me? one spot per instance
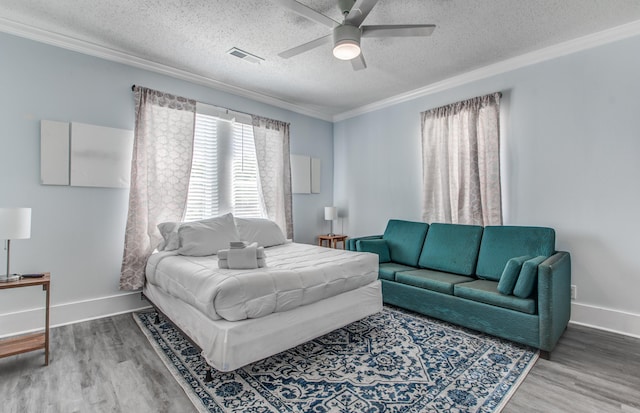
(393, 361)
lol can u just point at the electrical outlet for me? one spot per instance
(574, 292)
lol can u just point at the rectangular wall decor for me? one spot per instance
(305, 174)
(100, 156)
(54, 153)
(315, 175)
(78, 154)
(300, 174)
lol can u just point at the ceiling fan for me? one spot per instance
(346, 35)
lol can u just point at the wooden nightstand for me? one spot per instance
(332, 240)
(29, 342)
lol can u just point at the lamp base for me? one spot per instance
(9, 278)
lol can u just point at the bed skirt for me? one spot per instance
(228, 345)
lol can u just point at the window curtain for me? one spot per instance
(461, 162)
(160, 169)
(274, 170)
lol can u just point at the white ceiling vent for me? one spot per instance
(241, 54)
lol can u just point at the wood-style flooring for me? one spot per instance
(107, 365)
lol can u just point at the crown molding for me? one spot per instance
(548, 53)
(92, 49)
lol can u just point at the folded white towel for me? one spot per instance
(238, 244)
(241, 258)
(224, 264)
(224, 254)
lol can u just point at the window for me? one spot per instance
(461, 162)
(224, 170)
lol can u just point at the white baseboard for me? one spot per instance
(607, 319)
(26, 321)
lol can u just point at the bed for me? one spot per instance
(237, 317)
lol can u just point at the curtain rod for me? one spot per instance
(133, 87)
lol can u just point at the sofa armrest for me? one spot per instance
(554, 298)
(351, 242)
(375, 246)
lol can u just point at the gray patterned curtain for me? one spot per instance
(461, 162)
(160, 170)
(274, 169)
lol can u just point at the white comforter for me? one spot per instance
(295, 275)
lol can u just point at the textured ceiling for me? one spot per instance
(194, 36)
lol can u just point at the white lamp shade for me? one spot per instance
(15, 223)
(330, 213)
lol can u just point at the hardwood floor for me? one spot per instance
(589, 371)
(107, 365)
(104, 365)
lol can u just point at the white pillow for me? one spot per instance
(263, 231)
(208, 236)
(169, 231)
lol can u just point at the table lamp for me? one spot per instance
(330, 213)
(15, 223)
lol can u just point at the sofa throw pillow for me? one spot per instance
(170, 240)
(263, 231)
(377, 246)
(207, 237)
(528, 277)
(510, 274)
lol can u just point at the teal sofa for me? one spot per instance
(507, 281)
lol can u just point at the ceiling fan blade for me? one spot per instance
(360, 11)
(358, 63)
(398, 30)
(307, 12)
(305, 47)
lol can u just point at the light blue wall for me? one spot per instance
(78, 233)
(570, 153)
(571, 145)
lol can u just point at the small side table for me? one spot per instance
(332, 240)
(29, 342)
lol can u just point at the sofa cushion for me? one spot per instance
(528, 277)
(405, 239)
(442, 282)
(376, 246)
(387, 270)
(486, 291)
(501, 243)
(510, 274)
(451, 248)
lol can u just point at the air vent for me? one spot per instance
(246, 56)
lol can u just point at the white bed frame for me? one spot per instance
(228, 345)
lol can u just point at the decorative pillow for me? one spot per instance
(169, 232)
(377, 246)
(510, 274)
(263, 231)
(528, 277)
(208, 236)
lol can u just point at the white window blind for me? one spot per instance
(202, 201)
(224, 172)
(246, 198)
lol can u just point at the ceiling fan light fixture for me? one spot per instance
(346, 42)
(346, 50)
